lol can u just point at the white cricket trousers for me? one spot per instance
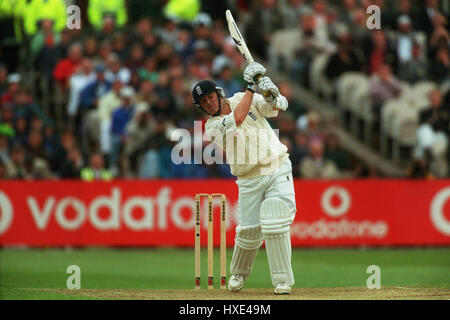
(253, 191)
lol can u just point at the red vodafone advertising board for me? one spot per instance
(161, 212)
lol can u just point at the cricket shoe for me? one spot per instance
(282, 288)
(236, 283)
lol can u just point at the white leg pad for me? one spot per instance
(275, 221)
(247, 243)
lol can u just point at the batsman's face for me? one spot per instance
(210, 102)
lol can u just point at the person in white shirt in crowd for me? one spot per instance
(116, 70)
(77, 83)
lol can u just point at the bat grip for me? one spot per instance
(266, 94)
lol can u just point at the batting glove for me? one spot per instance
(266, 85)
(253, 70)
(281, 103)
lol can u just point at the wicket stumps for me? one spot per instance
(223, 227)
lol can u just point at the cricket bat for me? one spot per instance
(240, 43)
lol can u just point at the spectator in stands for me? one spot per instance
(440, 65)
(164, 56)
(68, 66)
(135, 60)
(323, 19)
(358, 30)
(67, 39)
(96, 169)
(177, 88)
(120, 118)
(50, 139)
(344, 60)
(98, 10)
(432, 134)
(292, 11)
(37, 160)
(139, 130)
(382, 88)
(45, 36)
(346, 12)
(120, 46)
(295, 106)
(150, 43)
(285, 122)
(377, 52)
(90, 47)
(107, 104)
(7, 118)
(20, 131)
(202, 28)
(94, 90)
(145, 98)
(415, 69)
(116, 70)
(143, 26)
(183, 44)
(72, 165)
(426, 16)
(47, 48)
(265, 18)
(66, 143)
(24, 108)
(436, 116)
(404, 9)
(218, 37)
(108, 29)
(315, 165)
(299, 151)
(335, 152)
(202, 56)
(403, 44)
(78, 81)
(148, 71)
(229, 53)
(156, 160)
(35, 146)
(311, 124)
(169, 32)
(34, 11)
(224, 79)
(312, 44)
(164, 105)
(150, 165)
(16, 167)
(439, 37)
(13, 87)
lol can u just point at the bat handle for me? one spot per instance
(266, 94)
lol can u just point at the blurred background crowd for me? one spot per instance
(99, 98)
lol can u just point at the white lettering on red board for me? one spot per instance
(119, 212)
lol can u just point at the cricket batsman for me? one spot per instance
(266, 205)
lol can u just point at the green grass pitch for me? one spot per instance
(22, 271)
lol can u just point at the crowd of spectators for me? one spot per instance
(102, 101)
(411, 46)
